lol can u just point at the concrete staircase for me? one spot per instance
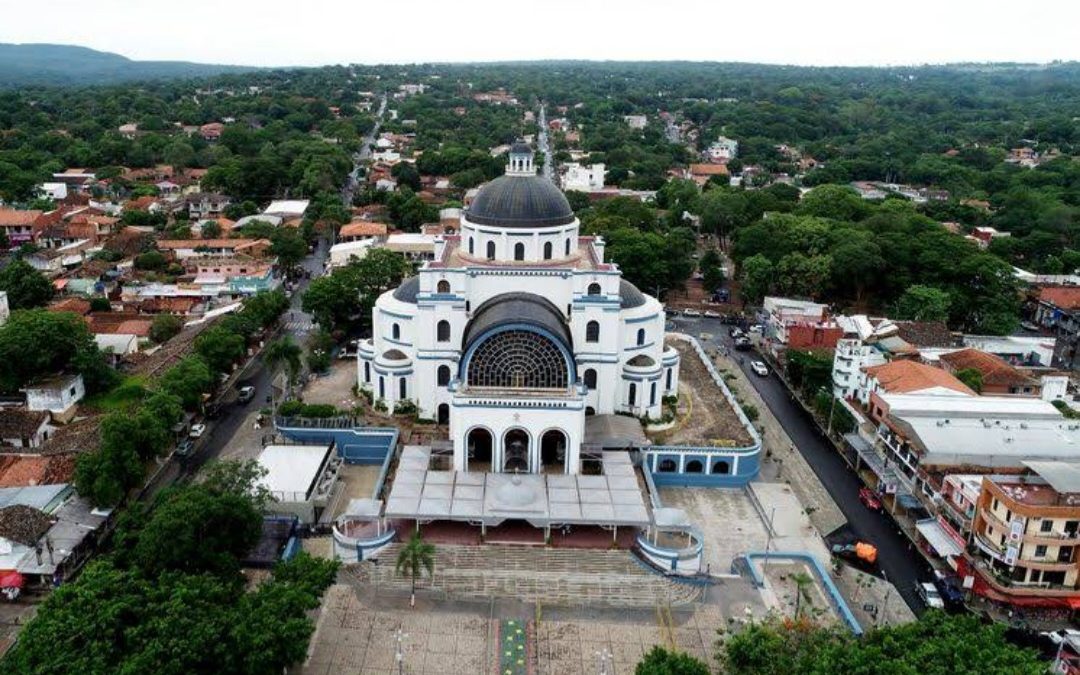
(528, 574)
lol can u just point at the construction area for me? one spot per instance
(703, 415)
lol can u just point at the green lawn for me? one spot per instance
(124, 395)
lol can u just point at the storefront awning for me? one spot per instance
(939, 539)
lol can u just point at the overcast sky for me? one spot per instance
(319, 32)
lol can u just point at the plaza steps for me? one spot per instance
(550, 576)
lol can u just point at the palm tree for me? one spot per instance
(802, 582)
(283, 352)
(417, 557)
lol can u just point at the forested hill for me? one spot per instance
(43, 64)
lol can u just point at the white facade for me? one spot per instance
(518, 328)
(5, 309)
(723, 149)
(344, 253)
(57, 395)
(583, 178)
(849, 359)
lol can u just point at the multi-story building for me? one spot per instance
(1026, 532)
(722, 150)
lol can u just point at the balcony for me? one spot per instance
(1051, 538)
(1005, 585)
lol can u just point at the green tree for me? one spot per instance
(25, 286)
(659, 661)
(220, 348)
(923, 303)
(164, 327)
(414, 559)
(188, 380)
(838, 202)
(758, 278)
(285, 354)
(37, 342)
(289, 247)
(153, 261)
(936, 643)
(210, 230)
(972, 377)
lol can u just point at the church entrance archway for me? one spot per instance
(553, 452)
(516, 451)
(479, 444)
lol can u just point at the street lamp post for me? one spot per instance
(399, 656)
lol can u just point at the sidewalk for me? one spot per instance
(781, 461)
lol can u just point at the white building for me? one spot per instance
(344, 253)
(636, 121)
(583, 178)
(412, 245)
(57, 395)
(300, 478)
(54, 191)
(722, 150)
(287, 209)
(516, 331)
(5, 309)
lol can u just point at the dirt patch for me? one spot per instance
(336, 387)
(705, 418)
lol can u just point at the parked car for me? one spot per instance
(869, 499)
(1060, 635)
(742, 344)
(929, 594)
(709, 314)
(735, 332)
(759, 368)
(1028, 325)
(951, 590)
(756, 328)
(691, 312)
(858, 552)
(185, 447)
(197, 430)
(245, 394)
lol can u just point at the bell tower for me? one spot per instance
(521, 160)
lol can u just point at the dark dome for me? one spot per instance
(523, 308)
(520, 201)
(520, 147)
(408, 289)
(629, 295)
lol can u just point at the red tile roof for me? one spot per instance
(994, 369)
(906, 377)
(18, 218)
(1062, 297)
(363, 229)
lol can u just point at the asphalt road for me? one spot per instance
(897, 557)
(296, 324)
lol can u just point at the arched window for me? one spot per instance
(444, 413)
(443, 286)
(694, 466)
(518, 359)
(382, 387)
(443, 377)
(395, 332)
(667, 386)
(567, 247)
(652, 394)
(640, 336)
(367, 372)
(491, 250)
(471, 247)
(594, 289)
(721, 467)
(519, 251)
(547, 250)
(590, 379)
(442, 331)
(631, 397)
(667, 466)
(403, 391)
(592, 331)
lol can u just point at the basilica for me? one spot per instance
(518, 331)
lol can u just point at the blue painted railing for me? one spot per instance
(831, 590)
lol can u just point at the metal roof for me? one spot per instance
(1062, 476)
(524, 308)
(629, 295)
(408, 289)
(520, 202)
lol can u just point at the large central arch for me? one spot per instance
(517, 341)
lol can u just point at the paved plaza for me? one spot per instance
(728, 521)
(357, 633)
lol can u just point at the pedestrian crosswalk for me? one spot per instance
(299, 326)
